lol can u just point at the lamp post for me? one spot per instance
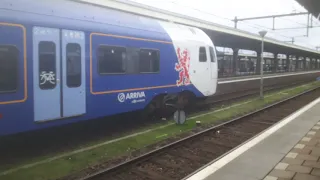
(262, 34)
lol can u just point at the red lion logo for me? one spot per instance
(183, 67)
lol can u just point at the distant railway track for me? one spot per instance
(228, 98)
(49, 142)
(179, 159)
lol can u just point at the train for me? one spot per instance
(63, 62)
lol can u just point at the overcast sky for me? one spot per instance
(222, 11)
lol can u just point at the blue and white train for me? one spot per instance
(63, 62)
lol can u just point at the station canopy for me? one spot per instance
(312, 6)
(222, 36)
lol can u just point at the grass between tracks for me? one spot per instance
(69, 164)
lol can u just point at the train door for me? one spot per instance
(213, 63)
(73, 73)
(204, 71)
(53, 94)
(46, 73)
(213, 70)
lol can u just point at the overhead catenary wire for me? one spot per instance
(251, 24)
(277, 35)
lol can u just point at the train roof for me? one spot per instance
(74, 15)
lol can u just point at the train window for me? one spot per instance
(47, 65)
(8, 68)
(112, 59)
(212, 54)
(202, 54)
(132, 60)
(149, 61)
(73, 57)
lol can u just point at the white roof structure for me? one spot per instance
(152, 12)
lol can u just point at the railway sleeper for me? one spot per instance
(217, 142)
(181, 168)
(267, 123)
(209, 147)
(248, 131)
(246, 124)
(168, 163)
(154, 171)
(202, 148)
(231, 136)
(183, 161)
(146, 175)
(191, 157)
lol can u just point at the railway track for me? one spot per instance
(179, 159)
(229, 97)
(49, 142)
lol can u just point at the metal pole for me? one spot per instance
(261, 69)
(273, 23)
(308, 24)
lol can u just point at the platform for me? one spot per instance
(288, 150)
(266, 76)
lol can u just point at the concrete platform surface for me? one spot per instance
(266, 76)
(288, 150)
(302, 162)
